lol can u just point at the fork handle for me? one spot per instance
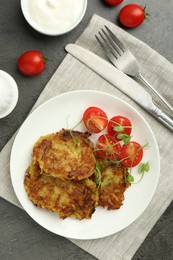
(148, 85)
(162, 117)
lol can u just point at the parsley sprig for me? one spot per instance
(142, 169)
(97, 173)
(122, 136)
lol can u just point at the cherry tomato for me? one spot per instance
(132, 15)
(120, 122)
(113, 2)
(131, 154)
(31, 63)
(95, 119)
(108, 147)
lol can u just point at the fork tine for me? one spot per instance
(110, 56)
(116, 40)
(111, 52)
(109, 46)
(113, 46)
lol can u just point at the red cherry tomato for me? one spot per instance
(31, 63)
(131, 154)
(108, 147)
(95, 119)
(120, 122)
(113, 2)
(132, 15)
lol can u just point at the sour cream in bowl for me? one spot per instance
(53, 17)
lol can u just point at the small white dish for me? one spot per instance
(8, 94)
(52, 17)
(65, 111)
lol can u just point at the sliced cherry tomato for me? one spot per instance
(113, 2)
(132, 15)
(108, 147)
(131, 154)
(31, 63)
(119, 125)
(95, 119)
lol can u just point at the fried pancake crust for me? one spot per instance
(113, 186)
(75, 199)
(65, 154)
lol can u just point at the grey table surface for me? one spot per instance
(16, 37)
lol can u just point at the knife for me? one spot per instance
(119, 80)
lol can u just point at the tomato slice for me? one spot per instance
(108, 147)
(131, 154)
(95, 119)
(119, 125)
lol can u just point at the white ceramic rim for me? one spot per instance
(15, 93)
(40, 29)
(85, 229)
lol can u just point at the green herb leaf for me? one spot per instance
(118, 128)
(144, 167)
(141, 168)
(129, 178)
(98, 177)
(147, 167)
(97, 173)
(99, 166)
(125, 137)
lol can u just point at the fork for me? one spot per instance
(124, 60)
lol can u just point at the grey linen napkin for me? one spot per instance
(73, 75)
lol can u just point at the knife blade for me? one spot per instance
(119, 80)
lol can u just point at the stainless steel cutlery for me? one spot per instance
(119, 80)
(123, 59)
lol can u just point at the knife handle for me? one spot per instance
(163, 118)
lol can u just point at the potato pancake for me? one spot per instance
(66, 154)
(113, 186)
(75, 199)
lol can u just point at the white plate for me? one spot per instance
(66, 111)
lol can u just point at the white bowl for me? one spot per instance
(52, 17)
(8, 94)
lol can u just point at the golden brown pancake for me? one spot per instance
(65, 154)
(76, 199)
(113, 186)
